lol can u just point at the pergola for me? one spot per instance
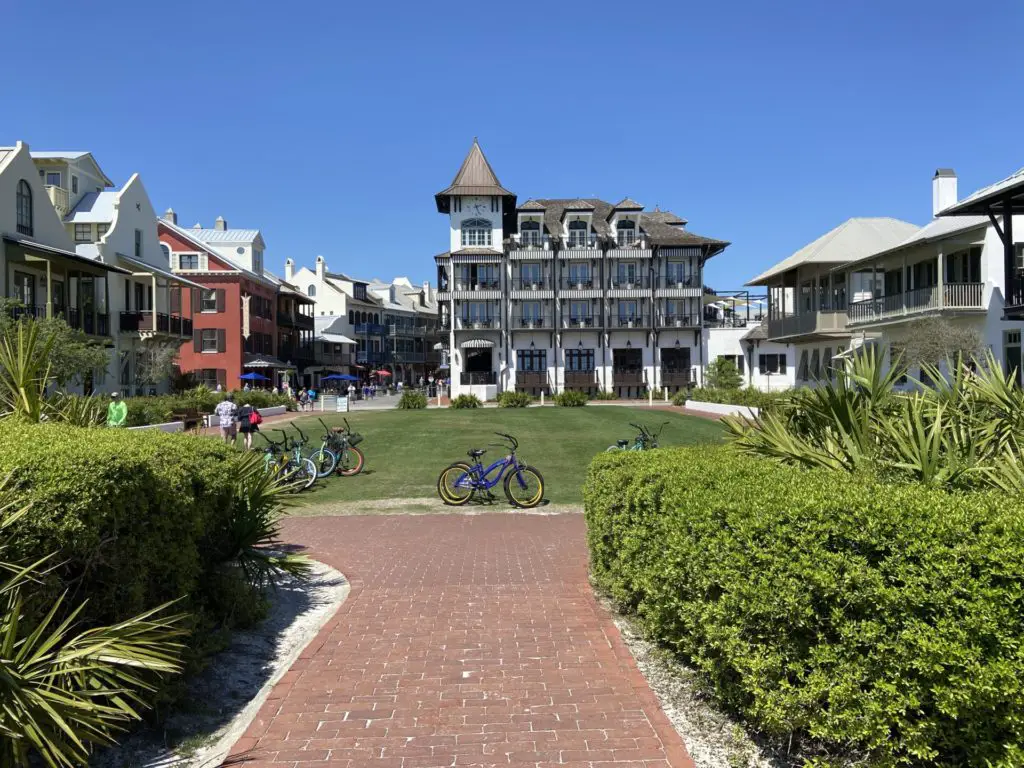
(1000, 202)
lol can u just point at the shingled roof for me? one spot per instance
(627, 204)
(531, 205)
(475, 177)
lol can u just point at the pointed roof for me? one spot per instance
(475, 177)
(627, 204)
(532, 205)
(851, 241)
(578, 205)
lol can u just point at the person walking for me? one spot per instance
(351, 391)
(249, 420)
(312, 399)
(227, 413)
(117, 411)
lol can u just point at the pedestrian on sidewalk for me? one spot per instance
(117, 411)
(227, 414)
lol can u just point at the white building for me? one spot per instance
(808, 297)
(560, 294)
(735, 327)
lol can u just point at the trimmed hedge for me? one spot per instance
(158, 409)
(880, 621)
(465, 401)
(410, 401)
(571, 398)
(135, 518)
(513, 399)
(748, 396)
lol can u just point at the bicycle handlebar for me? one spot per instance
(512, 440)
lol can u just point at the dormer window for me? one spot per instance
(529, 233)
(476, 232)
(578, 234)
(625, 232)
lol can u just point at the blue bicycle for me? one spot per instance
(524, 486)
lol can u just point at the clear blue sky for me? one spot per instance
(331, 125)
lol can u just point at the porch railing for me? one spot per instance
(470, 378)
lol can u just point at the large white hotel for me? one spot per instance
(563, 294)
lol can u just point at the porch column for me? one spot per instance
(904, 279)
(940, 261)
(49, 291)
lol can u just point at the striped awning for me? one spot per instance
(690, 250)
(441, 345)
(476, 344)
(476, 258)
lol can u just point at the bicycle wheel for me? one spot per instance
(350, 461)
(326, 461)
(307, 472)
(525, 487)
(455, 484)
(612, 448)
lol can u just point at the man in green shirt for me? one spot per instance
(117, 411)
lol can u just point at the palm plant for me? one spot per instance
(76, 411)
(66, 690)
(24, 371)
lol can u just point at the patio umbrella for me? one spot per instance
(348, 377)
(383, 373)
(254, 377)
(333, 377)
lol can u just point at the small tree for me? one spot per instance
(156, 362)
(72, 355)
(931, 340)
(722, 374)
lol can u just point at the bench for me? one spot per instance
(190, 418)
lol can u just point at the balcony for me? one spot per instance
(302, 354)
(677, 285)
(477, 323)
(629, 282)
(531, 322)
(530, 245)
(59, 198)
(627, 377)
(580, 247)
(678, 321)
(531, 380)
(807, 323)
(621, 322)
(674, 377)
(956, 296)
(371, 329)
(581, 380)
(295, 320)
(581, 321)
(470, 378)
(531, 284)
(94, 324)
(363, 357)
(405, 329)
(477, 285)
(155, 322)
(38, 313)
(578, 282)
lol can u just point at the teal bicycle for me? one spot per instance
(646, 439)
(284, 458)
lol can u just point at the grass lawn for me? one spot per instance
(406, 450)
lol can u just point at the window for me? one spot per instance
(53, 178)
(801, 368)
(771, 365)
(532, 360)
(581, 360)
(311, 291)
(74, 185)
(625, 233)
(188, 261)
(477, 312)
(24, 289)
(83, 233)
(815, 365)
(578, 234)
(166, 250)
(138, 243)
(351, 317)
(476, 232)
(101, 230)
(209, 340)
(625, 273)
(257, 261)
(209, 300)
(965, 266)
(579, 274)
(531, 274)
(24, 206)
(529, 233)
(736, 360)
(579, 313)
(628, 312)
(826, 364)
(895, 359)
(531, 312)
(675, 273)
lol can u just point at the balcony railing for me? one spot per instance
(531, 379)
(363, 356)
(371, 329)
(97, 324)
(408, 357)
(531, 284)
(630, 321)
(478, 323)
(950, 296)
(479, 377)
(31, 311)
(806, 322)
(629, 283)
(294, 319)
(298, 353)
(578, 283)
(59, 198)
(627, 377)
(580, 379)
(580, 321)
(532, 240)
(404, 329)
(477, 285)
(730, 321)
(532, 321)
(678, 321)
(678, 281)
(581, 241)
(674, 377)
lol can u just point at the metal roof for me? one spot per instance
(93, 208)
(992, 198)
(336, 338)
(225, 235)
(27, 242)
(475, 177)
(850, 241)
(135, 264)
(937, 229)
(58, 155)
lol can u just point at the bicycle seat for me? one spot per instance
(622, 443)
(476, 453)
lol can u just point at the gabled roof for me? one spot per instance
(851, 241)
(759, 332)
(626, 204)
(578, 205)
(475, 177)
(189, 235)
(226, 235)
(531, 205)
(71, 155)
(666, 217)
(992, 196)
(93, 208)
(937, 229)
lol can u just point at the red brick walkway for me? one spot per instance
(466, 640)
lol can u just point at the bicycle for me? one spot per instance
(324, 457)
(645, 440)
(288, 461)
(343, 442)
(459, 482)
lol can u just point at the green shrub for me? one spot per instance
(723, 374)
(571, 399)
(159, 409)
(883, 621)
(514, 400)
(749, 397)
(466, 401)
(410, 401)
(602, 395)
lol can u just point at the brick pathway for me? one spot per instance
(466, 640)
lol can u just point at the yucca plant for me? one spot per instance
(24, 371)
(65, 690)
(259, 503)
(77, 411)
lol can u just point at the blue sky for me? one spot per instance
(331, 125)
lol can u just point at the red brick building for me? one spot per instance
(233, 300)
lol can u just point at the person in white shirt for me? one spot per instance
(227, 412)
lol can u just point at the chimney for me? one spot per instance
(197, 225)
(426, 293)
(289, 270)
(321, 268)
(220, 224)
(171, 216)
(943, 190)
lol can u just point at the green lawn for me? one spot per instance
(406, 450)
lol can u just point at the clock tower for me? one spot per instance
(476, 203)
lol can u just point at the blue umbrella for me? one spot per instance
(254, 377)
